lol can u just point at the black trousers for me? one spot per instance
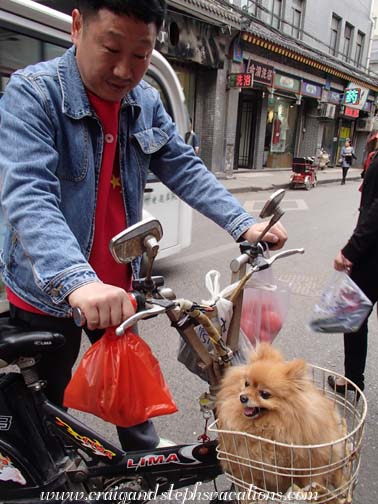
(345, 172)
(356, 343)
(56, 368)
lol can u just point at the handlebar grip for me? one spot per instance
(137, 299)
(79, 317)
(238, 262)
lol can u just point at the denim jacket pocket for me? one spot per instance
(74, 161)
(151, 140)
(146, 143)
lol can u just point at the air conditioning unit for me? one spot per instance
(366, 124)
(327, 110)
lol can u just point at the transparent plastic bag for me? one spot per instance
(265, 306)
(342, 307)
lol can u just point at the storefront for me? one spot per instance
(281, 122)
(248, 113)
(280, 131)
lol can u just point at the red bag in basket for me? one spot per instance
(120, 381)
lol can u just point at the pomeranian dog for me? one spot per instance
(275, 400)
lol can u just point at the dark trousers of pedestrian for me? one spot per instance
(55, 369)
(356, 343)
(345, 172)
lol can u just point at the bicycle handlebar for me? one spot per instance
(156, 307)
(261, 262)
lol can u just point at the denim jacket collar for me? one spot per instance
(75, 103)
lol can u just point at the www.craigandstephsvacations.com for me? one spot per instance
(195, 493)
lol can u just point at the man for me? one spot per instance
(69, 127)
(359, 259)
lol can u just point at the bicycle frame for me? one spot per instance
(52, 432)
(57, 452)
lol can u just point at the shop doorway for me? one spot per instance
(246, 132)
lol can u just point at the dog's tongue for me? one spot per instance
(249, 411)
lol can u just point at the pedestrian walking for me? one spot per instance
(346, 158)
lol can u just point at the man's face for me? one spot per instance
(112, 52)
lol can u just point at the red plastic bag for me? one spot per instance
(265, 306)
(120, 381)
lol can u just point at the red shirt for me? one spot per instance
(110, 211)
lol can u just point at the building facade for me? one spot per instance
(269, 80)
(318, 92)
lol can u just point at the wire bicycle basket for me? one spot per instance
(263, 473)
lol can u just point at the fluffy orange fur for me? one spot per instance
(276, 400)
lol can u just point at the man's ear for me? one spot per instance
(76, 26)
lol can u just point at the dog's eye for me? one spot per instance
(264, 394)
(246, 384)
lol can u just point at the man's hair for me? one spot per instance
(149, 11)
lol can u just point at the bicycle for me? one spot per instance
(47, 453)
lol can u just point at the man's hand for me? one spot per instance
(102, 305)
(276, 235)
(341, 263)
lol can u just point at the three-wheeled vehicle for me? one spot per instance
(304, 173)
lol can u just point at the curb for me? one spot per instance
(237, 190)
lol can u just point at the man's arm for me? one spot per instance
(185, 174)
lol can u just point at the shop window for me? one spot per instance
(348, 34)
(280, 132)
(276, 13)
(335, 34)
(297, 18)
(359, 47)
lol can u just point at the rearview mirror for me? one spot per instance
(272, 204)
(136, 240)
(273, 210)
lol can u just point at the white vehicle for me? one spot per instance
(30, 32)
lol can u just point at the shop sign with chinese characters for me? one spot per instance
(351, 112)
(355, 96)
(240, 80)
(263, 74)
(286, 82)
(310, 89)
(330, 96)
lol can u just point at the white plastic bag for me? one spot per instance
(221, 320)
(342, 307)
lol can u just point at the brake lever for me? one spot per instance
(265, 262)
(150, 312)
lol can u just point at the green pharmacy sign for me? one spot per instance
(352, 96)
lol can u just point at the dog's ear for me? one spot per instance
(265, 351)
(296, 370)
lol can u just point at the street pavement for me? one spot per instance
(276, 178)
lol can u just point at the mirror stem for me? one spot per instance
(152, 248)
(275, 218)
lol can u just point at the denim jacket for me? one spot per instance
(51, 146)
